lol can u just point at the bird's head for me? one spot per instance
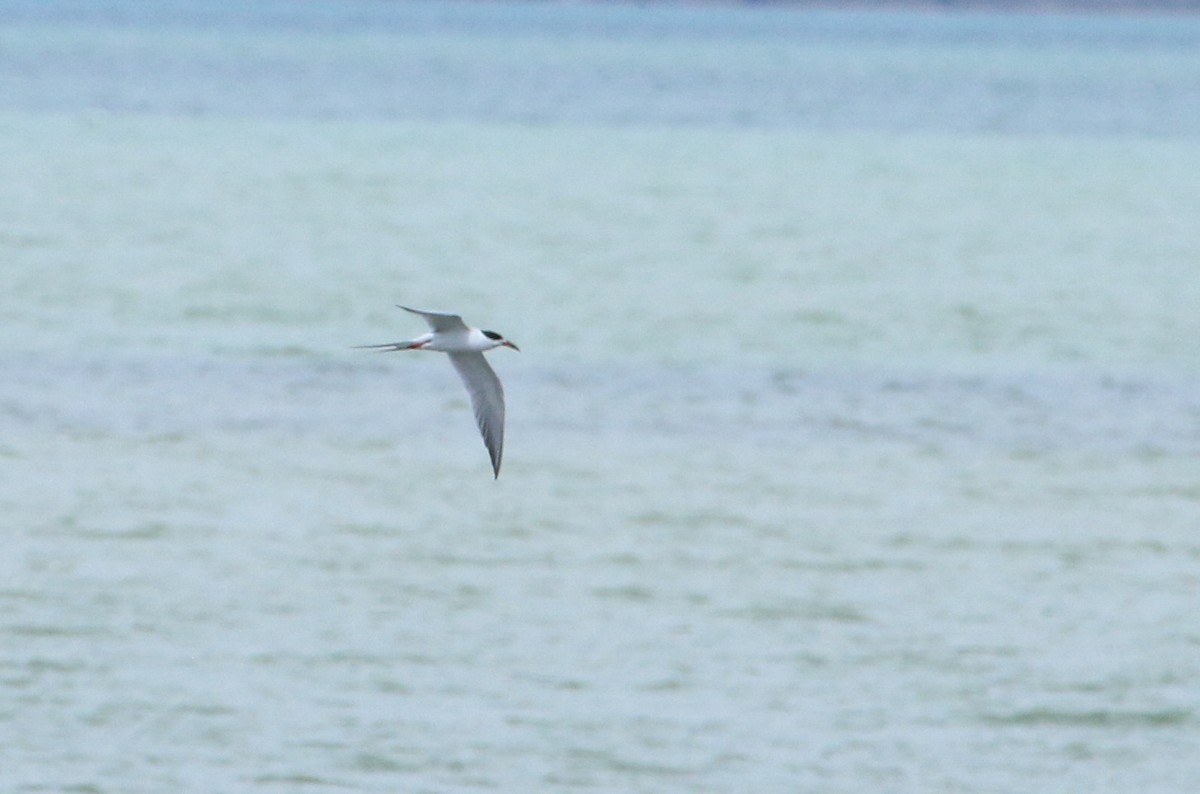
(500, 340)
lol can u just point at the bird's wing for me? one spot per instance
(487, 398)
(439, 321)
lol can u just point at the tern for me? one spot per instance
(465, 346)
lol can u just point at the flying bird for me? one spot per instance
(465, 346)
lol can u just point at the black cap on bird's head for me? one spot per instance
(500, 338)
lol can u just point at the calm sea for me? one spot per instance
(854, 445)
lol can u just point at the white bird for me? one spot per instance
(465, 346)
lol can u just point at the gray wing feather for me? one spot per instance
(487, 398)
(439, 321)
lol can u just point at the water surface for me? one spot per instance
(853, 445)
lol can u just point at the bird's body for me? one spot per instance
(465, 346)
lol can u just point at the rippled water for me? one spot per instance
(854, 445)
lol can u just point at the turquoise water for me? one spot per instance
(620, 64)
(853, 445)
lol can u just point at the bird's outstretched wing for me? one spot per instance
(487, 398)
(439, 322)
